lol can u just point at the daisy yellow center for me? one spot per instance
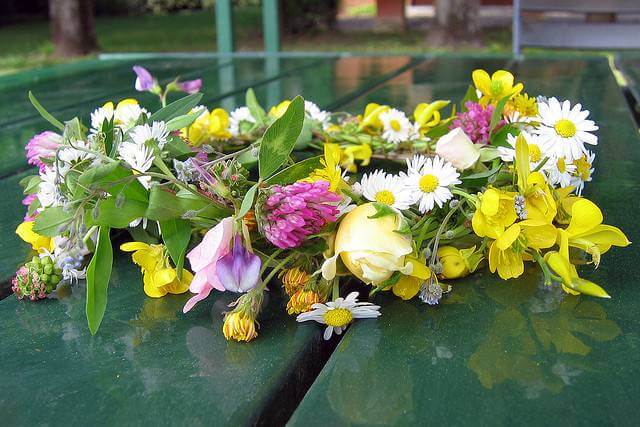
(386, 197)
(338, 317)
(395, 125)
(565, 128)
(428, 183)
(534, 153)
(562, 166)
(583, 167)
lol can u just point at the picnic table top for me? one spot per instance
(493, 352)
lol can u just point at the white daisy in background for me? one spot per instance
(144, 134)
(338, 314)
(583, 172)
(396, 127)
(127, 114)
(238, 117)
(560, 172)
(387, 189)
(537, 151)
(139, 157)
(99, 115)
(315, 113)
(429, 179)
(565, 130)
(74, 154)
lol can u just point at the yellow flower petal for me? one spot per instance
(585, 215)
(134, 246)
(38, 243)
(150, 287)
(482, 81)
(407, 287)
(508, 237)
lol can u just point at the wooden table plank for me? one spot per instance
(149, 359)
(480, 357)
(629, 64)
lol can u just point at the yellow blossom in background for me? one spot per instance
(351, 153)
(371, 118)
(509, 251)
(523, 104)
(495, 87)
(330, 170)
(494, 213)
(293, 279)
(302, 300)
(571, 282)
(219, 124)
(239, 327)
(198, 132)
(278, 110)
(586, 231)
(159, 277)
(428, 115)
(457, 263)
(38, 243)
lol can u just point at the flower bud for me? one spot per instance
(456, 148)
(239, 327)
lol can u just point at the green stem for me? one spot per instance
(275, 270)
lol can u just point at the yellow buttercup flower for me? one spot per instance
(38, 243)
(219, 124)
(198, 132)
(496, 87)
(159, 277)
(509, 251)
(457, 263)
(495, 212)
(238, 326)
(587, 232)
(571, 282)
(371, 118)
(351, 153)
(330, 170)
(428, 115)
(408, 286)
(539, 203)
(278, 110)
(523, 104)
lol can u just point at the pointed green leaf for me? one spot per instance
(176, 234)
(256, 110)
(98, 275)
(44, 113)
(177, 108)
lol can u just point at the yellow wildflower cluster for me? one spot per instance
(208, 127)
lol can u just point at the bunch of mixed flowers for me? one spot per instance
(497, 180)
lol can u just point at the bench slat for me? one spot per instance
(581, 35)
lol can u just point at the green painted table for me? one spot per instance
(514, 353)
(629, 65)
(492, 353)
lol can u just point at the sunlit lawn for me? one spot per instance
(27, 45)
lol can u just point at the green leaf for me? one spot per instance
(247, 202)
(499, 138)
(177, 148)
(438, 131)
(305, 137)
(98, 274)
(295, 172)
(44, 113)
(256, 110)
(164, 205)
(470, 95)
(49, 221)
(481, 178)
(31, 184)
(497, 113)
(280, 137)
(114, 179)
(176, 234)
(182, 121)
(382, 210)
(116, 212)
(177, 108)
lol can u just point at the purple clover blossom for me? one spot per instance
(144, 80)
(475, 122)
(190, 86)
(293, 212)
(42, 147)
(239, 270)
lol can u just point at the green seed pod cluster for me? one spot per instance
(37, 278)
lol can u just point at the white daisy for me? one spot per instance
(565, 130)
(385, 188)
(429, 179)
(48, 192)
(71, 155)
(583, 172)
(99, 115)
(315, 113)
(560, 172)
(396, 127)
(157, 133)
(127, 114)
(139, 157)
(237, 117)
(537, 151)
(338, 314)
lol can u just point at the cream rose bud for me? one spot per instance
(370, 247)
(456, 148)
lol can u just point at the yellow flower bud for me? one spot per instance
(301, 301)
(238, 326)
(293, 279)
(453, 265)
(407, 287)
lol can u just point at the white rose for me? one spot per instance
(456, 148)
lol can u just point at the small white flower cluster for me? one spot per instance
(138, 150)
(397, 127)
(426, 183)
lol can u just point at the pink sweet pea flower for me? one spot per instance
(144, 80)
(190, 86)
(41, 147)
(203, 259)
(27, 201)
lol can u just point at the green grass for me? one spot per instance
(27, 45)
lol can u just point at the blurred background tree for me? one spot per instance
(73, 29)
